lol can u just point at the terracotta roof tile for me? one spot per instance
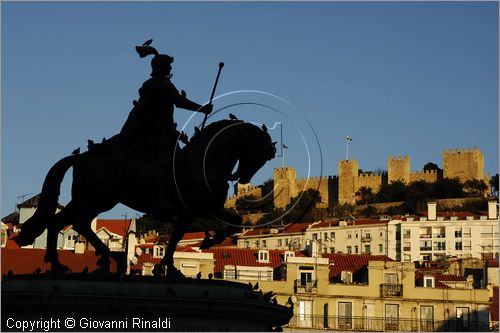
(245, 257)
(295, 228)
(119, 227)
(193, 235)
(350, 262)
(26, 261)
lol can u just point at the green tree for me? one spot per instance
(475, 188)
(448, 188)
(395, 191)
(366, 195)
(419, 193)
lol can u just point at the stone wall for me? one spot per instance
(285, 186)
(463, 163)
(348, 176)
(319, 184)
(430, 176)
(398, 168)
(373, 181)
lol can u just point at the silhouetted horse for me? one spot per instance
(109, 175)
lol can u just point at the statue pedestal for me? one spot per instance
(92, 302)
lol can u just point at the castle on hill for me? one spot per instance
(466, 164)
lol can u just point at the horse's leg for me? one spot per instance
(101, 249)
(61, 220)
(178, 231)
(228, 222)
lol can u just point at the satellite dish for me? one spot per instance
(138, 251)
(134, 260)
(294, 299)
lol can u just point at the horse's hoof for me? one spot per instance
(173, 272)
(59, 268)
(159, 270)
(103, 266)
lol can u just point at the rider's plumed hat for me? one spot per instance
(160, 63)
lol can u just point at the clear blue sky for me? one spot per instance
(401, 78)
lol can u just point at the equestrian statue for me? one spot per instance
(144, 168)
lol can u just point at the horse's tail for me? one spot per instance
(47, 203)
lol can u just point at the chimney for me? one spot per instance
(492, 210)
(431, 211)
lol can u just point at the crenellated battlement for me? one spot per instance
(370, 175)
(399, 158)
(456, 151)
(423, 172)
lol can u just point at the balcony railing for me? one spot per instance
(381, 324)
(305, 286)
(426, 248)
(425, 236)
(366, 239)
(389, 289)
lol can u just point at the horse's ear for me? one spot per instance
(264, 128)
(274, 143)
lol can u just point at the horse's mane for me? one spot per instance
(212, 129)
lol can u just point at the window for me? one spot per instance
(332, 235)
(356, 235)
(367, 249)
(380, 248)
(289, 254)
(286, 242)
(466, 232)
(458, 245)
(263, 256)
(458, 233)
(158, 251)
(391, 278)
(264, 244)
(356, 250)
(247, 244)
(392, 317)
(429, 281)
(349, 249)
(346, 277)
(466, 245)
(406, 233)
(486, 232)
(325, 236)
(280, 242)
(406, 246)
(305, 313)
(314, 236)
(439, 246)
(427, 318)
(332, 250)
(257, 244)
(345, 315)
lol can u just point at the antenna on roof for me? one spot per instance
(22, 196)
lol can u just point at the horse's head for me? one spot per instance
(254, 149)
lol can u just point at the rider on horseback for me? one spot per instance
(150, 125)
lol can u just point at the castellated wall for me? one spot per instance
(316, 183)
(398, 168)
(373, 181)
(285, 186)
(348, 176)
(463, 163)
(242, 190)
(429, 176)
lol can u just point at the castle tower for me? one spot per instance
(465, 164)
(285, 187)
(348, 176)
(398, 168)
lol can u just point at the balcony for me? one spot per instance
(425, 236)
(304, 286)
(381, 324)
(426, 248)
(366, 239)
(390, 290)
